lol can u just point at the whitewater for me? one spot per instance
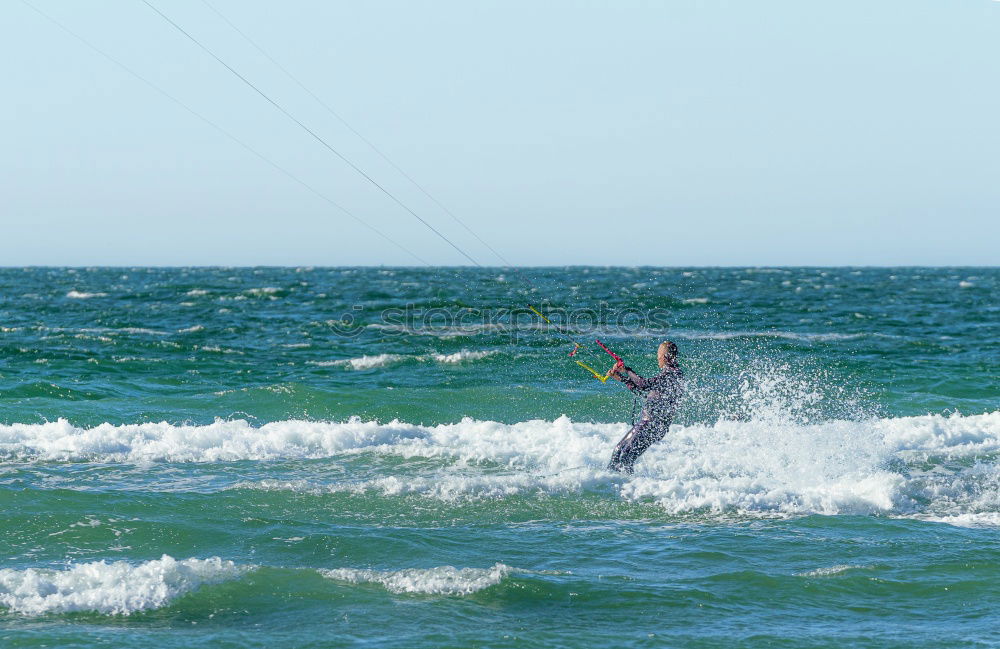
(924, 466)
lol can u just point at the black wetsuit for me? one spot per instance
(663, 394)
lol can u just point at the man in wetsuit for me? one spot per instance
(663, 394)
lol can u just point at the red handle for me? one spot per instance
(613, 355)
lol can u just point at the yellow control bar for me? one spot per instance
(597, 376)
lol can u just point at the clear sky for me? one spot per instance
(661, 133)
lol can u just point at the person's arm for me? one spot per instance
(636, 382)
(627, 375)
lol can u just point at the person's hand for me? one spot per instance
(619, 365)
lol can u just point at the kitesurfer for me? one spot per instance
(663, 394)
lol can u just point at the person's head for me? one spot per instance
(666, 354)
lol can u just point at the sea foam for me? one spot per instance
(926, 466)
(442, 580)
(460, 356)
(382, 360)
(365, 362)
(118, 588)
(831, 571)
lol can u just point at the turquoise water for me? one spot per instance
(408, 458)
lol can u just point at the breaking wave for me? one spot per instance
(118, 588)
(442, 580)
(932, 467)
(382, 360)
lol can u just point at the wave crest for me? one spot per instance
(382, 360)
(928, 466)
(118, 588)
(442, 580)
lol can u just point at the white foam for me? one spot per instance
(383, 360)
(982, 519)
(754, 467)
(768, 466)
(365, 362)
(460, 356)
(264, 290)
(82, 295)
(452, 487)
(220, 441)
(442, 580)
(141, 330)
(118, 588)
(829, 572)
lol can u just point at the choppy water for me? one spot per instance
(389, 457)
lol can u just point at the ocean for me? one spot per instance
(409, 457)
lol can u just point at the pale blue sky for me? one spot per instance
(663, 133)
